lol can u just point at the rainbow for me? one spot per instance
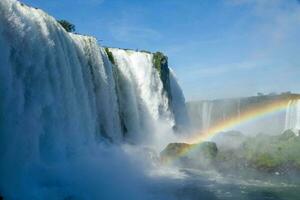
(246, 116)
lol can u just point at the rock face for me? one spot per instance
(171, 90)
(190, 155)
(174, 150)
(160, 62)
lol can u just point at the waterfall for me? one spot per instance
(239, 108)
(61, 96)
(292, 117)
(143, 104)
(178, 104)
(207, 108)
(56, 84)
(208, 113)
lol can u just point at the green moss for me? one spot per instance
(110, 56)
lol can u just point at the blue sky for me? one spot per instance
(217, 48)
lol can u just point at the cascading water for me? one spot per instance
(206, 115)
(178, 104)
(200, 115)
(239, 108)
(292, 120)
(143, 105)
(100, 75)
(61, 96)
(57, 94)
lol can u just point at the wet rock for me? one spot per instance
(189, 155)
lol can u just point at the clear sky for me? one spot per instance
(217, 48)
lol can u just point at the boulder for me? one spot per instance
(190, 155)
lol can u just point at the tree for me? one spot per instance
(67, 25)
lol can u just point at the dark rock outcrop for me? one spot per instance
(160, 62)
(190, 155)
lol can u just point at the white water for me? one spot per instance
(61, 99)
(292, 120)
(178, 103)
(206, 115)
(144, 106)
(200, 115)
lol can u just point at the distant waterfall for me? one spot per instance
(209, 113)
(207, 108)
(239, 108)
(292, 119)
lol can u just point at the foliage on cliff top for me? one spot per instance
(160, 63)
(159, 60)
(110, 55)
(67, 25)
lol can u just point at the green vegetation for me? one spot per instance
(67, 25)
(265, 161)
(110, 56)
(265, 153)
(159, 61)
(273, 152)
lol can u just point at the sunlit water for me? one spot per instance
(210, 185)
